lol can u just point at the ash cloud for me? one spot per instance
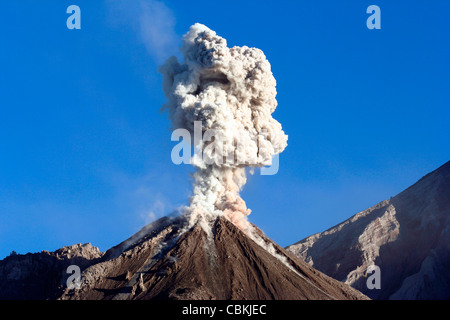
(231, 91)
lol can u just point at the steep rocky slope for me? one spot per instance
(42, 275)
(166, 263)
(169, 260)
(408, 237)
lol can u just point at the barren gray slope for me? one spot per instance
(408, 237)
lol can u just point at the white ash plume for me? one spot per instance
(232, 92)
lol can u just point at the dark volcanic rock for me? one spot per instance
(39, 276)
(168, 260)
(164, 263)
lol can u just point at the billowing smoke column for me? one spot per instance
(231, 93)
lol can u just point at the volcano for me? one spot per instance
(165, 260)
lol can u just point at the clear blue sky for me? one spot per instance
(85, 155)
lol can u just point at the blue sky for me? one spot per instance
(85, 155)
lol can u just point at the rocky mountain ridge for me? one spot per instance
(43, 275)
(407, 236)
